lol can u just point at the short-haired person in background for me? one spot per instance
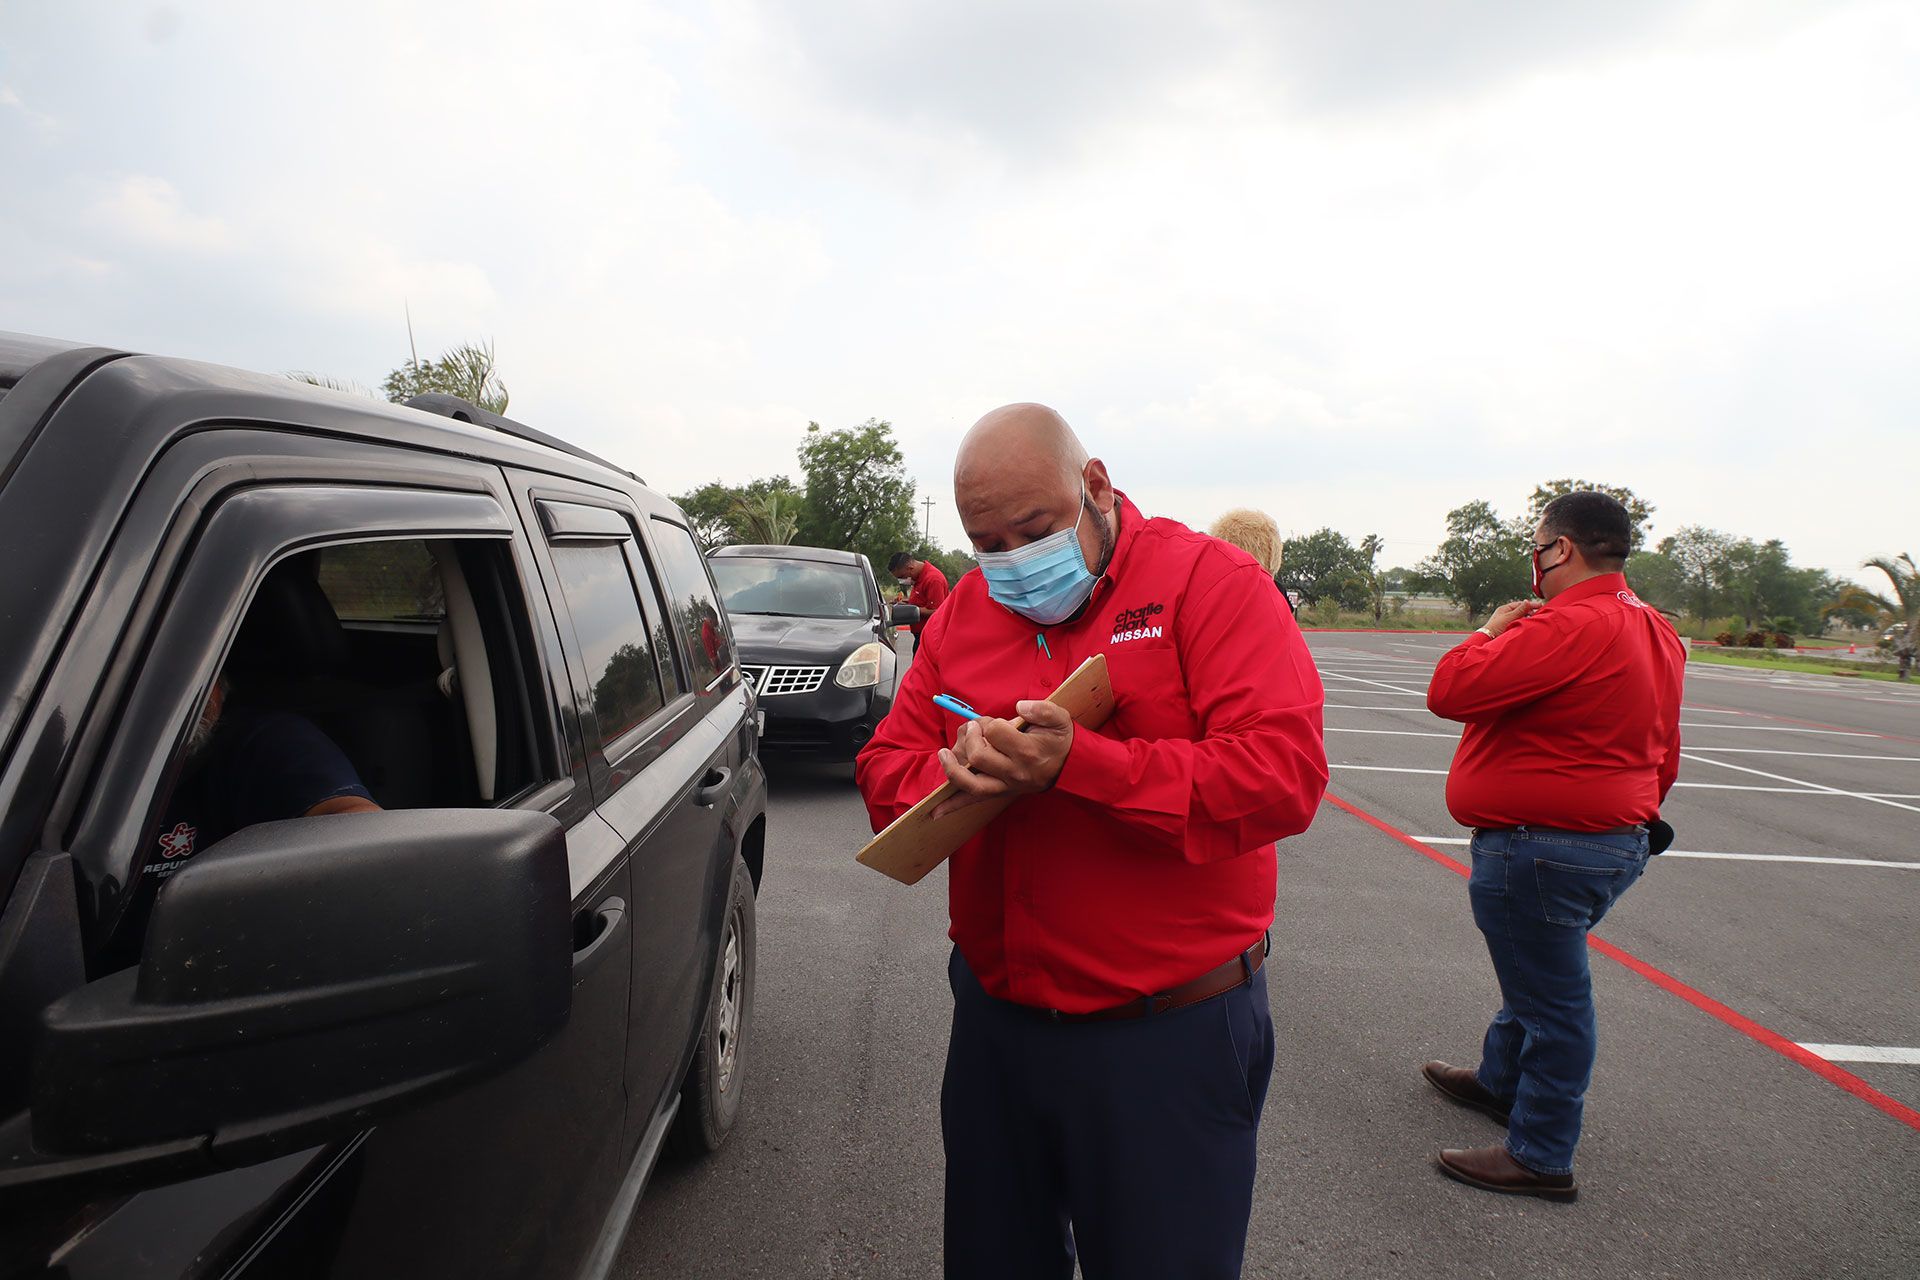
(1255, 533)
(1572, 741)
(924, 584)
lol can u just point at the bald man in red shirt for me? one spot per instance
(1111, 1040)
(1572, 741)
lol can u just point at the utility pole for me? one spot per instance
(926, 529)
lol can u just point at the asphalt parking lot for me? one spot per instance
(1786, 915)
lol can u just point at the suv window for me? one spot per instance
(694, 608)
(613, 636)
(382, 582)
(398, 705)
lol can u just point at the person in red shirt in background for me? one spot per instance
(1111, 1041)
(924, 584)
(1572, 741)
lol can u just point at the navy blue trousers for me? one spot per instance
(1132, 1142)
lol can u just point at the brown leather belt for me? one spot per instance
(1214, 982)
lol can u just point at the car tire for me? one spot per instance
(710, 1098)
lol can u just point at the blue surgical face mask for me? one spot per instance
(1045, 581)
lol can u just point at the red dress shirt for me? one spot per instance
(1151, 859)
(929, 589)
(1572, 715)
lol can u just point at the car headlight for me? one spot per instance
(861, 670)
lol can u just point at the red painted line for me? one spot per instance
(1405, 839)
(1700, 1000)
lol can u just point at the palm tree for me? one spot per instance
(771, 519)
(467, 371)
(1903, 605)
(330, 382)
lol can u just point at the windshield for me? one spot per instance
(790, 588)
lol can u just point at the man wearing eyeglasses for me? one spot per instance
(1572, 741)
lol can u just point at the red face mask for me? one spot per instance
(1539, 575)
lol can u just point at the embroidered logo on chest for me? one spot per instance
(1137, 624)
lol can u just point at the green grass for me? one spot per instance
(1409, 620)
(1768, 661)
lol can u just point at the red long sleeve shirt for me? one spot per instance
(1572, 715)
(929, 590)
(1151, 859)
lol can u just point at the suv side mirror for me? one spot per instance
(301, 979)
(904, 615)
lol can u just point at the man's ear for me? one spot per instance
(1099, 487)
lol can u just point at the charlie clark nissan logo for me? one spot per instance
(1136, 624)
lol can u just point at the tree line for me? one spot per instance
(1693, 573)
(853, 494)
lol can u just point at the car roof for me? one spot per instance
(19, 352)
(825, 555)
(440, 422)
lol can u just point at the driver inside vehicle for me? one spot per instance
(243, 765)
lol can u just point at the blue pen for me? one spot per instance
(947, 702)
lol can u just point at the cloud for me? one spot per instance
(1355, 263)
(148, 213)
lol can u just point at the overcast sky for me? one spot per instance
(1352, 263)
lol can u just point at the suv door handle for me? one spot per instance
(712, 787)
(593, 929)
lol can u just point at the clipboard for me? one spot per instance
(916, 842)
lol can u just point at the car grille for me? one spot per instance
(771, 682)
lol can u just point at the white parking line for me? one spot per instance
(1396, 733)
(1817, 755)
(1381, 693)
(1378, 684)
(1371, 706)
(1734, 786)
(1769, 728)
(1737, 857)
(1865, 1053)
(1793, 857)
(1814, 786)
(1698, 786)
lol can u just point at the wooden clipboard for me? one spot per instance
(916, 842)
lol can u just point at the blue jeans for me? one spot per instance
(1535, 894)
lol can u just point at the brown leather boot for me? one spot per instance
(1463, 1086)
(1492, 1169)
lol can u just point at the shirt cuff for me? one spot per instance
(1096, 768)
(1477, 638)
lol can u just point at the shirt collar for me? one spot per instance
(1605, 584)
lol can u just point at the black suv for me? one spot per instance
(446, 1033)
(815, 641)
